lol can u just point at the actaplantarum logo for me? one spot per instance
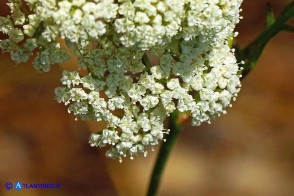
(19, 186)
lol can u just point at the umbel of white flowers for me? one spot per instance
(197, 71)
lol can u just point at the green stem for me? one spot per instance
(251, 53)
(24, 10)
(146, 62)
(165, 149)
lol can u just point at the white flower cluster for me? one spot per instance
(77, 20)
(197, 71)
(203, 84)
(141, 23)
(148, 23)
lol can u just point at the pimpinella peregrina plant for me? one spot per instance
(197, 71)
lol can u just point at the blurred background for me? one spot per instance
(249, 151)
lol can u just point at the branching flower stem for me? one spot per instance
(250, 54)
(146, 62)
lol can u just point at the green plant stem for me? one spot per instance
(251, 53)
(165, 150)
(146, 62)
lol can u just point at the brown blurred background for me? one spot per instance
(249, 151)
